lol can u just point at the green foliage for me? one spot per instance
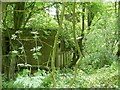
(66, 34)
(36, 53)
(96, 7)
(47, 81)
(23, 73)
(100, 44)
(98, 68)
(98, 79)
(42, 20)
(40, 79)
(106, 77)
(8, 84)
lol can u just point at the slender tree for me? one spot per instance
(83, 27)
(76, 52)
(76, 46)
(55, 45)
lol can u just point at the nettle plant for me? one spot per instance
(37, 48)
(17, 37)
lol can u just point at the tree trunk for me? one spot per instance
(0, 48)
(76, 47)
(18, 14)
(18, 21)
(83, 28)
(90, 15)
(6, 61)
(115, 6)
(12, 65)
(76, 53)
(118, 52)
(55, 46)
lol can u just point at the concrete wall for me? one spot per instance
(28, 43)
(62, 57)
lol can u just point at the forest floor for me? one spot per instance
(105, 77)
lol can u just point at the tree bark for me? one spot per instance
(12, 66)
(18, 14)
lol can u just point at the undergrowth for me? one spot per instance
(105, 77)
